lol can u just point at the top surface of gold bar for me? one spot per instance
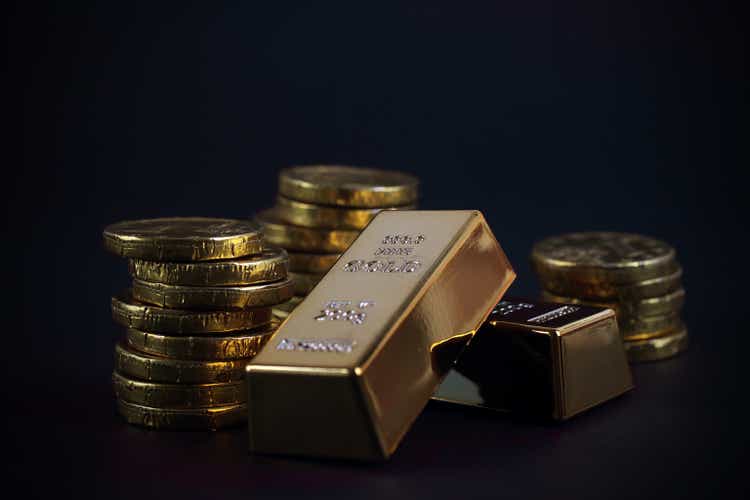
(546, 316)
(391, 317)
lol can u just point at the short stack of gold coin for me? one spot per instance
(320, 211)
(199, 309)
(636, 276)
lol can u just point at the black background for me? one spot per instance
(547, 116)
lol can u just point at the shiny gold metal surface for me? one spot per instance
(237, 345)
(130, 313)
(304, 239)
(544, 359)
(595, 265)
(304, 282)
(309, 215)
(183, 238)
(671, 303)
(271, 265)
(281, 311)
(178, 396)
(215, 297)
(312, 262)
(659, 348)
(348, 186)
(353, 365)
(197, 419)
(647, 327)
(150, 368)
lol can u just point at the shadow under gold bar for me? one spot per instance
(546, 360)
(354, 364)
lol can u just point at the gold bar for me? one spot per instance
(542, 359)
(354, 364)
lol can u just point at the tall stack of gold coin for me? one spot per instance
(636, 276)
(320, 211)
(199, 309)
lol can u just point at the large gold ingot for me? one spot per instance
(354, 364)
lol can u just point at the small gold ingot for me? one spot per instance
(133, 314)
(213, 298)
(173, 419)
(235, 345)
(269, 266)
(337, 185)
(178, 396)
(319, 263)
(150, 368)
(543, 359)
(183, 239)
(304, 239)
(353, 365)
(655, 349)
(304, 282)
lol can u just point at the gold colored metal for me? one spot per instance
(213, 298)
(269, 266)
(133, 314)
(353, 365)
(309, 215)
(671, 303)
(545, 359)
(304, 282)
(197, 419)
(238, 345)
(178, 396)
(647, 327)
(281, 311)
(183, 238)
(348, 186)
(312, 262)
(304, 239)
(176, 371)
(659, 348)
(597, 265)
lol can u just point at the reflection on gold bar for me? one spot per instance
(542, 359)
(354, 364)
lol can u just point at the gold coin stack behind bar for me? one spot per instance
(198, 311)
(320, 211)
(636, 276)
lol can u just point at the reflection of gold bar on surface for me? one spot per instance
(353, 365)
(543, 359)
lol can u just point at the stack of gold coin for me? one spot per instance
(321, 209)
(199, 309)
(636, 276)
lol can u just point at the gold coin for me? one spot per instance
(197, 419)
(312, 262)
(654, 287)
(304, 239)
(647, 327)
(305, 282)
(309, 215)
(178, 396)
(269, 266)
(237, 345)
(281, 311)
(657, 348)
(348, 186)
(184, 238)
(133, 314)
(593, 265)
(176, 371)
(654, 306)
(213, 298)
